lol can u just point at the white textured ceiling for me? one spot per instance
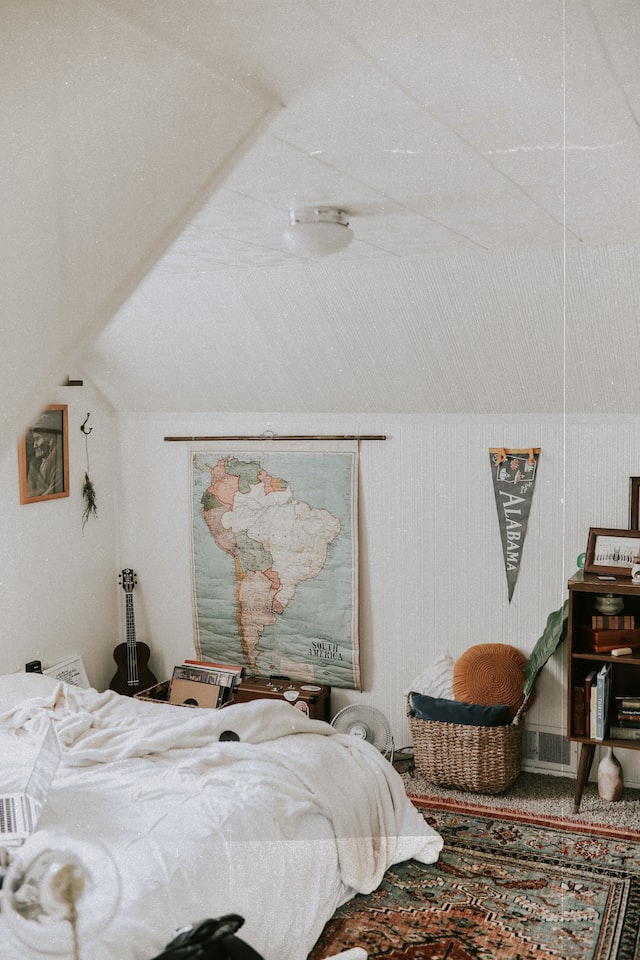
(488, 156)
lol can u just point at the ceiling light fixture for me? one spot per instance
(317, 232)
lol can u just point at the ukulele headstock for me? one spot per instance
(128, 579)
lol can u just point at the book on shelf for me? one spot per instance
(579, 722)
(629, 717)
(603, 699)
(589, 697)
(618, 732)
(604, 641)
(628, 711)
(613, 621)
(628, 703)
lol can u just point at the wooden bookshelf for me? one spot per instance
(582, 660)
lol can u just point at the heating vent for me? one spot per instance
(553, 748)
(543, 747)
(530, 745)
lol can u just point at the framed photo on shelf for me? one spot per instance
(634, 502)
(612, 552)
(43, 457)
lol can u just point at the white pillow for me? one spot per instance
(15, 688)
(436, 680)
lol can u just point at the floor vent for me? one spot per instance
(530, 745)
(543, 747)
(553, 748)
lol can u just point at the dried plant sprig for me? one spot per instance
(91, 506)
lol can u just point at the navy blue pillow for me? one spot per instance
(455, 711)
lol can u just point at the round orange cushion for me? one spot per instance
(490, 674)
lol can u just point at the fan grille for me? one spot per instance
(367, 723)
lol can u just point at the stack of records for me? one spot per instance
(628, 725)
(201, 683)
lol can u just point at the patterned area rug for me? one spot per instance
(503, 889)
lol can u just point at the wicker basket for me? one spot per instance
(480, 759)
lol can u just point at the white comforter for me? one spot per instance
(280, 827)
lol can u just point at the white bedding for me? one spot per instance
(280, 827)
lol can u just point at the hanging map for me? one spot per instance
(514, 475)
(275, 558)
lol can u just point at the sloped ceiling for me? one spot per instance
(487, 155)
(111, 139)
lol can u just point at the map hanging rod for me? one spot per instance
(273, 436)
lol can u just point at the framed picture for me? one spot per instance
(43, 457)
(612, 551)
(634, 503)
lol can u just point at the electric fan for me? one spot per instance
(368, 723)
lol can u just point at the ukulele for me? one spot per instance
(132, 657)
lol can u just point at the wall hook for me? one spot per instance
(82, 427)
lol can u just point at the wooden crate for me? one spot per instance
(159, 693)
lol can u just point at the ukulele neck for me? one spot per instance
(132, 651)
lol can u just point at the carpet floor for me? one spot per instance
(536, 795)
(503, 889)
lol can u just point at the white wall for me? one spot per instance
(108, 149)
(58, 583)
(432, 574)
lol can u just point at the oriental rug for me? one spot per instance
(503, 889)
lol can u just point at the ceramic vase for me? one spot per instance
(610, 781)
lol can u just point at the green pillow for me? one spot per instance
(455, 711)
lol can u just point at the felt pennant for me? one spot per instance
(514, 475)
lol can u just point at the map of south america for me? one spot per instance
(276, 541)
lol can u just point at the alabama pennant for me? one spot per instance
(514, 476)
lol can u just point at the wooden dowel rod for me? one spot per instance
(275, 437)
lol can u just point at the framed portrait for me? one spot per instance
(612, 552)
(43, 457)
(634, 503)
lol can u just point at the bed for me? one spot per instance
(281, 825)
